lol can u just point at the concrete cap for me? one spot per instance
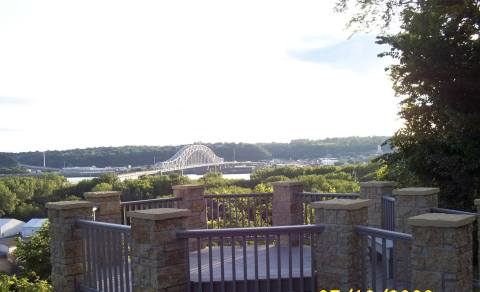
(159, 214)
(375, 183)
(440, 220)
(341, 204)
(184, 187)
(89, 195)
(476, 202)
(287, 183)
(65, 205)
(415, 191)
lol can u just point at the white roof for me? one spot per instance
(4, 221)
(35, 222)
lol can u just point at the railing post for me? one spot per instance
(192, 199)
(339, 249)
(409, 202)
(108, 204)
(375, 190)
(442, 252)
(66, 243)
(159, 258)
(287, 207)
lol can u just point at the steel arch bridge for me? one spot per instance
(190, 156)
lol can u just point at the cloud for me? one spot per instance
(9, 130)
(358, 53)
(12, 100)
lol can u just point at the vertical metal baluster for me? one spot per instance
(244, 243)
(279, 264)
(108, 245)
(242, 211)
(222, 264)
(95, 258)
(187, 250)
(384, 263)
(301, 260)
(224, 213)
(199, 265)
(255, 256)
(312, 261)
(218, 212)
(89, 256)
(126, 246)
(210, 262)
(267, 260)
(408, 267)
(115, 253)
(254, 212)
(373, 262)
(120, 263)
(236, 211)
(290, 276)
(234, 272)
(394, 265)
(104, 260)
(84, 252)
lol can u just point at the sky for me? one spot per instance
(77, 74)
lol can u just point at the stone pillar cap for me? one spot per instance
(341, 204)
(101, 194)
(159, 214)
(287, 183)
(375, 183)
(184, 187)
(441, 220)
(66, 205)
(415, 191)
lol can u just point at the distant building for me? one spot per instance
(32, 226)
(10, 227)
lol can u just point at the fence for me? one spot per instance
(384, 243)
(238, 210)
(388, 213)
(106, 248)
(252, 259)
(308, 198)
(146, 204)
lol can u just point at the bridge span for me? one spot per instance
(188, 157)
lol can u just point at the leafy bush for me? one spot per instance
(12, 283)
(33, 254)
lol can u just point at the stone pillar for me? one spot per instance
(339, 249)
(442, 252)
(287, 206)
(412, 202)
(66, 243)
(159, 258)
(193, 200)
(375, 190)
(108, 204)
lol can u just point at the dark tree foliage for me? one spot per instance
(146, 155)
(437, 75)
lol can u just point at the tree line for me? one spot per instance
(146, 155)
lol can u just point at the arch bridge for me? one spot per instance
(189, 156)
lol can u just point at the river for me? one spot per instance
(192, 176)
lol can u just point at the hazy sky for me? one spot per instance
(105, 73)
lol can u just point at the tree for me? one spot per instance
(437, 76)
(102, 187)
(7, 200)
(33, 255)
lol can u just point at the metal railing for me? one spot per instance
(451, 211)
(106, 251)
(238, 210)
(147, 204)
(388, 213)
(276, 258)
(381, 259)
(308, 198)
